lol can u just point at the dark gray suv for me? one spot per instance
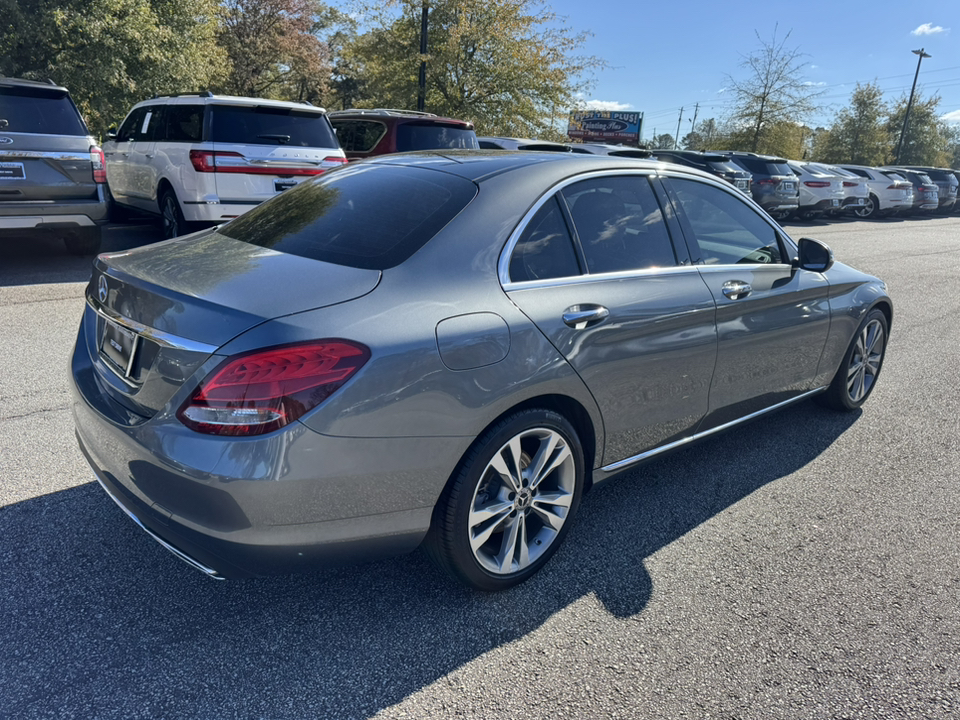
(775, 187)
(51, 170)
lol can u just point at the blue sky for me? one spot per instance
(666, 55)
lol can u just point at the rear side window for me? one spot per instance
(372, 216)
(414, 136)
(545, 250)
(269, 125)
(359, 135)
(619, 223)
(184, 123)
(26, 110)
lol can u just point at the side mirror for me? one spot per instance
(814, 256)
(112, 133)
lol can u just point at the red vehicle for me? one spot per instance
(366, 133)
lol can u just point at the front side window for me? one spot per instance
(131, 126)
(545, 250)
(727, 230)
(620, 225)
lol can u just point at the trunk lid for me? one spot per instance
(162, 310)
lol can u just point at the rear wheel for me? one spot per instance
(171, 215)
(84, 241)
(871, 208)
(510, 505)
(861, 365)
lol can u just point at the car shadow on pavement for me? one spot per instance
(43, 259)
(97, 620)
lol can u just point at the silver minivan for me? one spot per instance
(201, 159)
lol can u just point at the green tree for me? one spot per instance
(705, 136)
(274, 50)
(927, 138)
(771, 95)
(858, 135)
(111, 54)
(512, 67)
(663, 141)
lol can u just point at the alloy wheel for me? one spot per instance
(865, 360)
(522, 501)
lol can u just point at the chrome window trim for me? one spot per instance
(164, 339)
(503, 265)
(601, 277)
(621, 464)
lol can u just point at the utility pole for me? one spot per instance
(906, 115)
(693, 124)
(422, 86)
(678, 129)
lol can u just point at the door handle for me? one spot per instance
(580, 317)
(148, 155)
(736, 289)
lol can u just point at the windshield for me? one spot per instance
(28, 110)
(364, 216)
(413, 136)
(269, 125)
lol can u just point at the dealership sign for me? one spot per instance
(604, 126)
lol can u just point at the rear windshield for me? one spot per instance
(764, 167)
(413, 136)
(942, 176)
(724, 166)
(265, 125)
(364, 216)
(28, 110)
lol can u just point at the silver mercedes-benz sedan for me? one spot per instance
(449, 350)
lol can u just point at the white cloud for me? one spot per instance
(951, 117)
(721, 91)
(929, 29)
(814, 84)
(814, 67)
(609, 105)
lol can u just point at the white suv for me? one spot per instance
(203, 159)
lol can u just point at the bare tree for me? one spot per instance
(773, 92)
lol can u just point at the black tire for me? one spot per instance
(480, 510)
(857, 375)
(84, 241)
(171, 216)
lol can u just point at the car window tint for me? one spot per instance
(26, 110)
(271, 125)
(359, 135)
(131, 125)
(727, 230)
(428, 136)
(364, 216)
(152, 126)
(619, 223)
(184, 123)
(545, 249)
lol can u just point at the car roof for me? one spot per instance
(49, 86)
(396, 115)
(481, 165)
(207, 98)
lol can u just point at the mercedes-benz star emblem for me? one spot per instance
(102, 289)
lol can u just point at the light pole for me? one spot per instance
(422, 80)
(906, 115)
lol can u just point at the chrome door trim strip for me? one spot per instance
(587, 278)
(699, 436)
(161, 338)
(209, 572)
(46, 154)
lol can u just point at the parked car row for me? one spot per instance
(198, 159)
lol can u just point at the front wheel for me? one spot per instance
(511, 503)
(861, 365)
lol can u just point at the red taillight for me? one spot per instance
(99, 164)
(263, 391)
(766, 181)
(816, 183)
(231, 162)
(849, 184)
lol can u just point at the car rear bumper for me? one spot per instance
(214, 211)
(287, 501)
(51, 216)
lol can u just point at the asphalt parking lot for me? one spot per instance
(804, 566)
